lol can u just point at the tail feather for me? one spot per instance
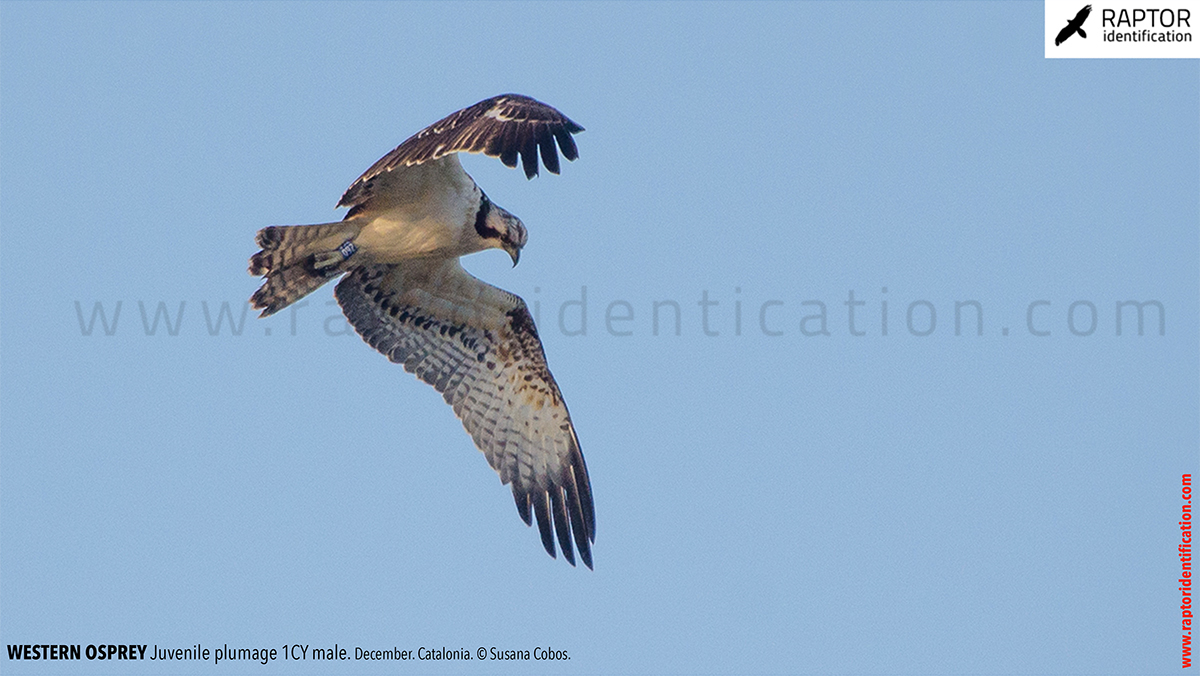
(283, 245)
(298, 259)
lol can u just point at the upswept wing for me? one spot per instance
(503, 126)
(477, 345)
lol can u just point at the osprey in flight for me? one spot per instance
(412, 215)
(1074, 26)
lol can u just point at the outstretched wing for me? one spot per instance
(477, 345)
(502, 126)
(1082, 15)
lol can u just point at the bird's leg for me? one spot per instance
(328, 262)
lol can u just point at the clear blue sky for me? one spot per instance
(928, 501)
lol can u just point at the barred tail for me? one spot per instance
(297, 259)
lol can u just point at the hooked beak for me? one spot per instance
(515, 253)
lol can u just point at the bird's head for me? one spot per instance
(500, 229)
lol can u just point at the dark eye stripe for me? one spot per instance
(481, 226)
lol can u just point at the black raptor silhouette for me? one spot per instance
(1074, 26)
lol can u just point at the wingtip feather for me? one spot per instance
(541, 508)
(559, 507)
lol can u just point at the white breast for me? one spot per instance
(426, 210)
